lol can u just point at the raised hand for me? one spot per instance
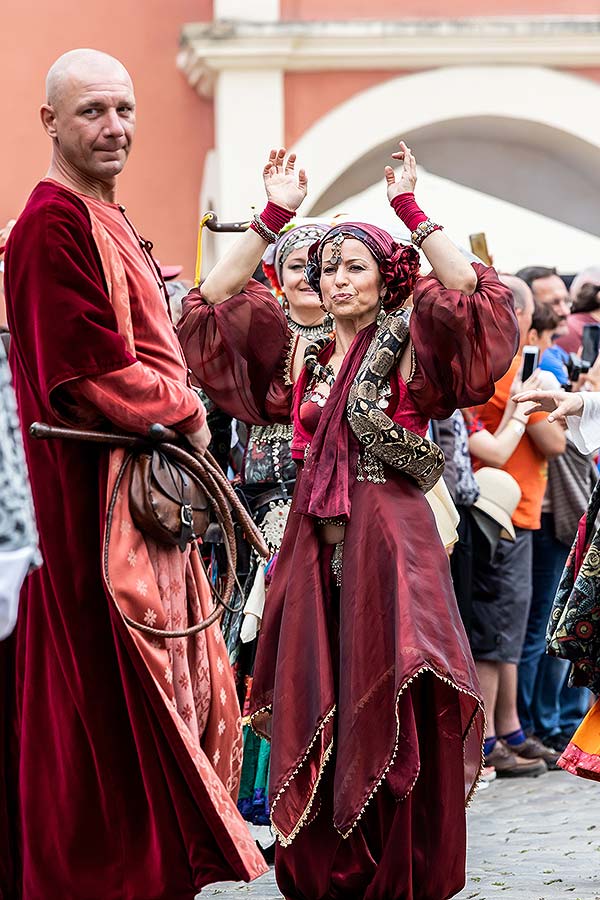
(404, 180)
(282, 185)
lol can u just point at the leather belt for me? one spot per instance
(274, 495)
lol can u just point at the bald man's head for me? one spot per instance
(524, 305)
(81, 66)
(90, 115)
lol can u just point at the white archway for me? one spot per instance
(544, 97)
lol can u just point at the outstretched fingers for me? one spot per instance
(546, 400)
(280, 160)
(406, 156)
(276, 164)
(271, 162)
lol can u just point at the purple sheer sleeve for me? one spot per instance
(462, 344)
(239, 353)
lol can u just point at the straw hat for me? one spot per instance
(499, 497)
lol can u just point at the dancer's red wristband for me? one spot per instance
(275, 217)
(405, 207)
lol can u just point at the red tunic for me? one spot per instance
(100, 795)
(369, 692)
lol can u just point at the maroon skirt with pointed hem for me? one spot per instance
(339, 690)
(410, 849)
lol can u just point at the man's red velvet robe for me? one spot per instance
(99, 796)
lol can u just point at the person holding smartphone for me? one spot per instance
(502, 586)
(547, 706)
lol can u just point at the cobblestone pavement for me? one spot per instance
(534, 839)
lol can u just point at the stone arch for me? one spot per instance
(543, 120)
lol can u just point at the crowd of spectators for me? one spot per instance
(515, 533)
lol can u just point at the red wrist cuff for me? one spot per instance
(275, 217)
(406, 208)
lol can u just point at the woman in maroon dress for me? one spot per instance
(363, 680)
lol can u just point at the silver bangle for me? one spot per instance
(422, 231)
(263, 230)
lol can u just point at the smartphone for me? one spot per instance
(530, 362)
(480, 248)
(591, 343)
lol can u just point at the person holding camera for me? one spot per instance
(585, 295)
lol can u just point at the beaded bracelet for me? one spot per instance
(269, 223)
(422, 231)
(262, 230)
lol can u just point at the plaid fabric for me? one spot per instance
(571, 480)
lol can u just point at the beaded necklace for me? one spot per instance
(310, 332)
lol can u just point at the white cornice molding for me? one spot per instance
(210, 48)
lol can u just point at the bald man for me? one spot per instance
(124, 750)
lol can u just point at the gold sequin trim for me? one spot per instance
(413, 364)
(389, 765)
(286, 840)
(270, 434)
(290, 359)
(260, 712)
(304, 818)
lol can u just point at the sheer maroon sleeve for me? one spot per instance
(239, 352)
(462, 344)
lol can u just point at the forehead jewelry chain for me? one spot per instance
(336, 249)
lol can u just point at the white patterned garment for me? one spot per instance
(18, 534)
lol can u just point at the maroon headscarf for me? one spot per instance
(398, 263)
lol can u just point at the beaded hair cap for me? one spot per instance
(293, 238)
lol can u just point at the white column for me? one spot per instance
(249, 120)
(247, 10)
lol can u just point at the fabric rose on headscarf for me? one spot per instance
(399, 272)
(398, 263)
